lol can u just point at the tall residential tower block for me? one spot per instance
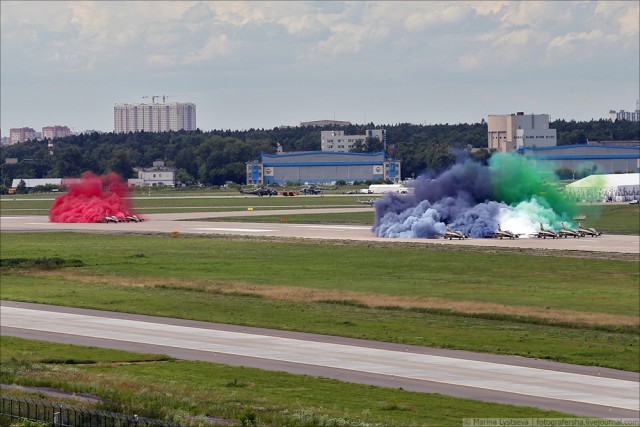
(154, 117)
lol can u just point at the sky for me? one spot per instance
(267, 64)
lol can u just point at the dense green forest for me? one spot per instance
(212, 158)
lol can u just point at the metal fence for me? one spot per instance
(54, 414)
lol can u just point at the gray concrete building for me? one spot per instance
(510, 132)
(322, 167)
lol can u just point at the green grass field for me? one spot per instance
(565, 309)
(362, 218)
(549, 305)
(612, 219)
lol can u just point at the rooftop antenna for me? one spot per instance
(334, 123)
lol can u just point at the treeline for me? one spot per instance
(572, 133)
(212, 158)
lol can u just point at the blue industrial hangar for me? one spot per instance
(322, 167)
(606, 158)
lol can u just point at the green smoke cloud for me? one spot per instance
(516, 179)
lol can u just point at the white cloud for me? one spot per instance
(537, 14)
(488, 7)
(216, 46)
(630, 22)
(502, 49)
(436, 15)
(297, 24)
(546, 34)
(565, 41)
(349, 46)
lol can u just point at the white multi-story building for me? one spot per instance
(510, 132)
(337, 141)
(632, 116)
(158, 175)
(154, 117)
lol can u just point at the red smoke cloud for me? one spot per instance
(91, 198)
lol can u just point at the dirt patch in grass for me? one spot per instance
(363, 299)
(143, 362)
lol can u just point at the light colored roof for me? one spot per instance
(607, 181)
(34, 182)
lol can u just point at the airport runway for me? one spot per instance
(172, 222)
(580, 390)
(585, 391)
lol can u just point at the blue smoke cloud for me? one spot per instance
(462, 198)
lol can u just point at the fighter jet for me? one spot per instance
(588, 231)
(315, 189)
(454, 234)
(132, 218)
(504, 233)
(566, 233)
(109, 218)
(312, 189)
(260, 192)
(369, 202)
(546, 233)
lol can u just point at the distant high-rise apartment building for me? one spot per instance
(53, 132)
(509, 132)
(154, 117)
(336, 140)
(21, 135)
(632, 116)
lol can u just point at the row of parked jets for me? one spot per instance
(125, 218)
(542, 234)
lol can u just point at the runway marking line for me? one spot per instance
(332, 227)
(248, 230)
